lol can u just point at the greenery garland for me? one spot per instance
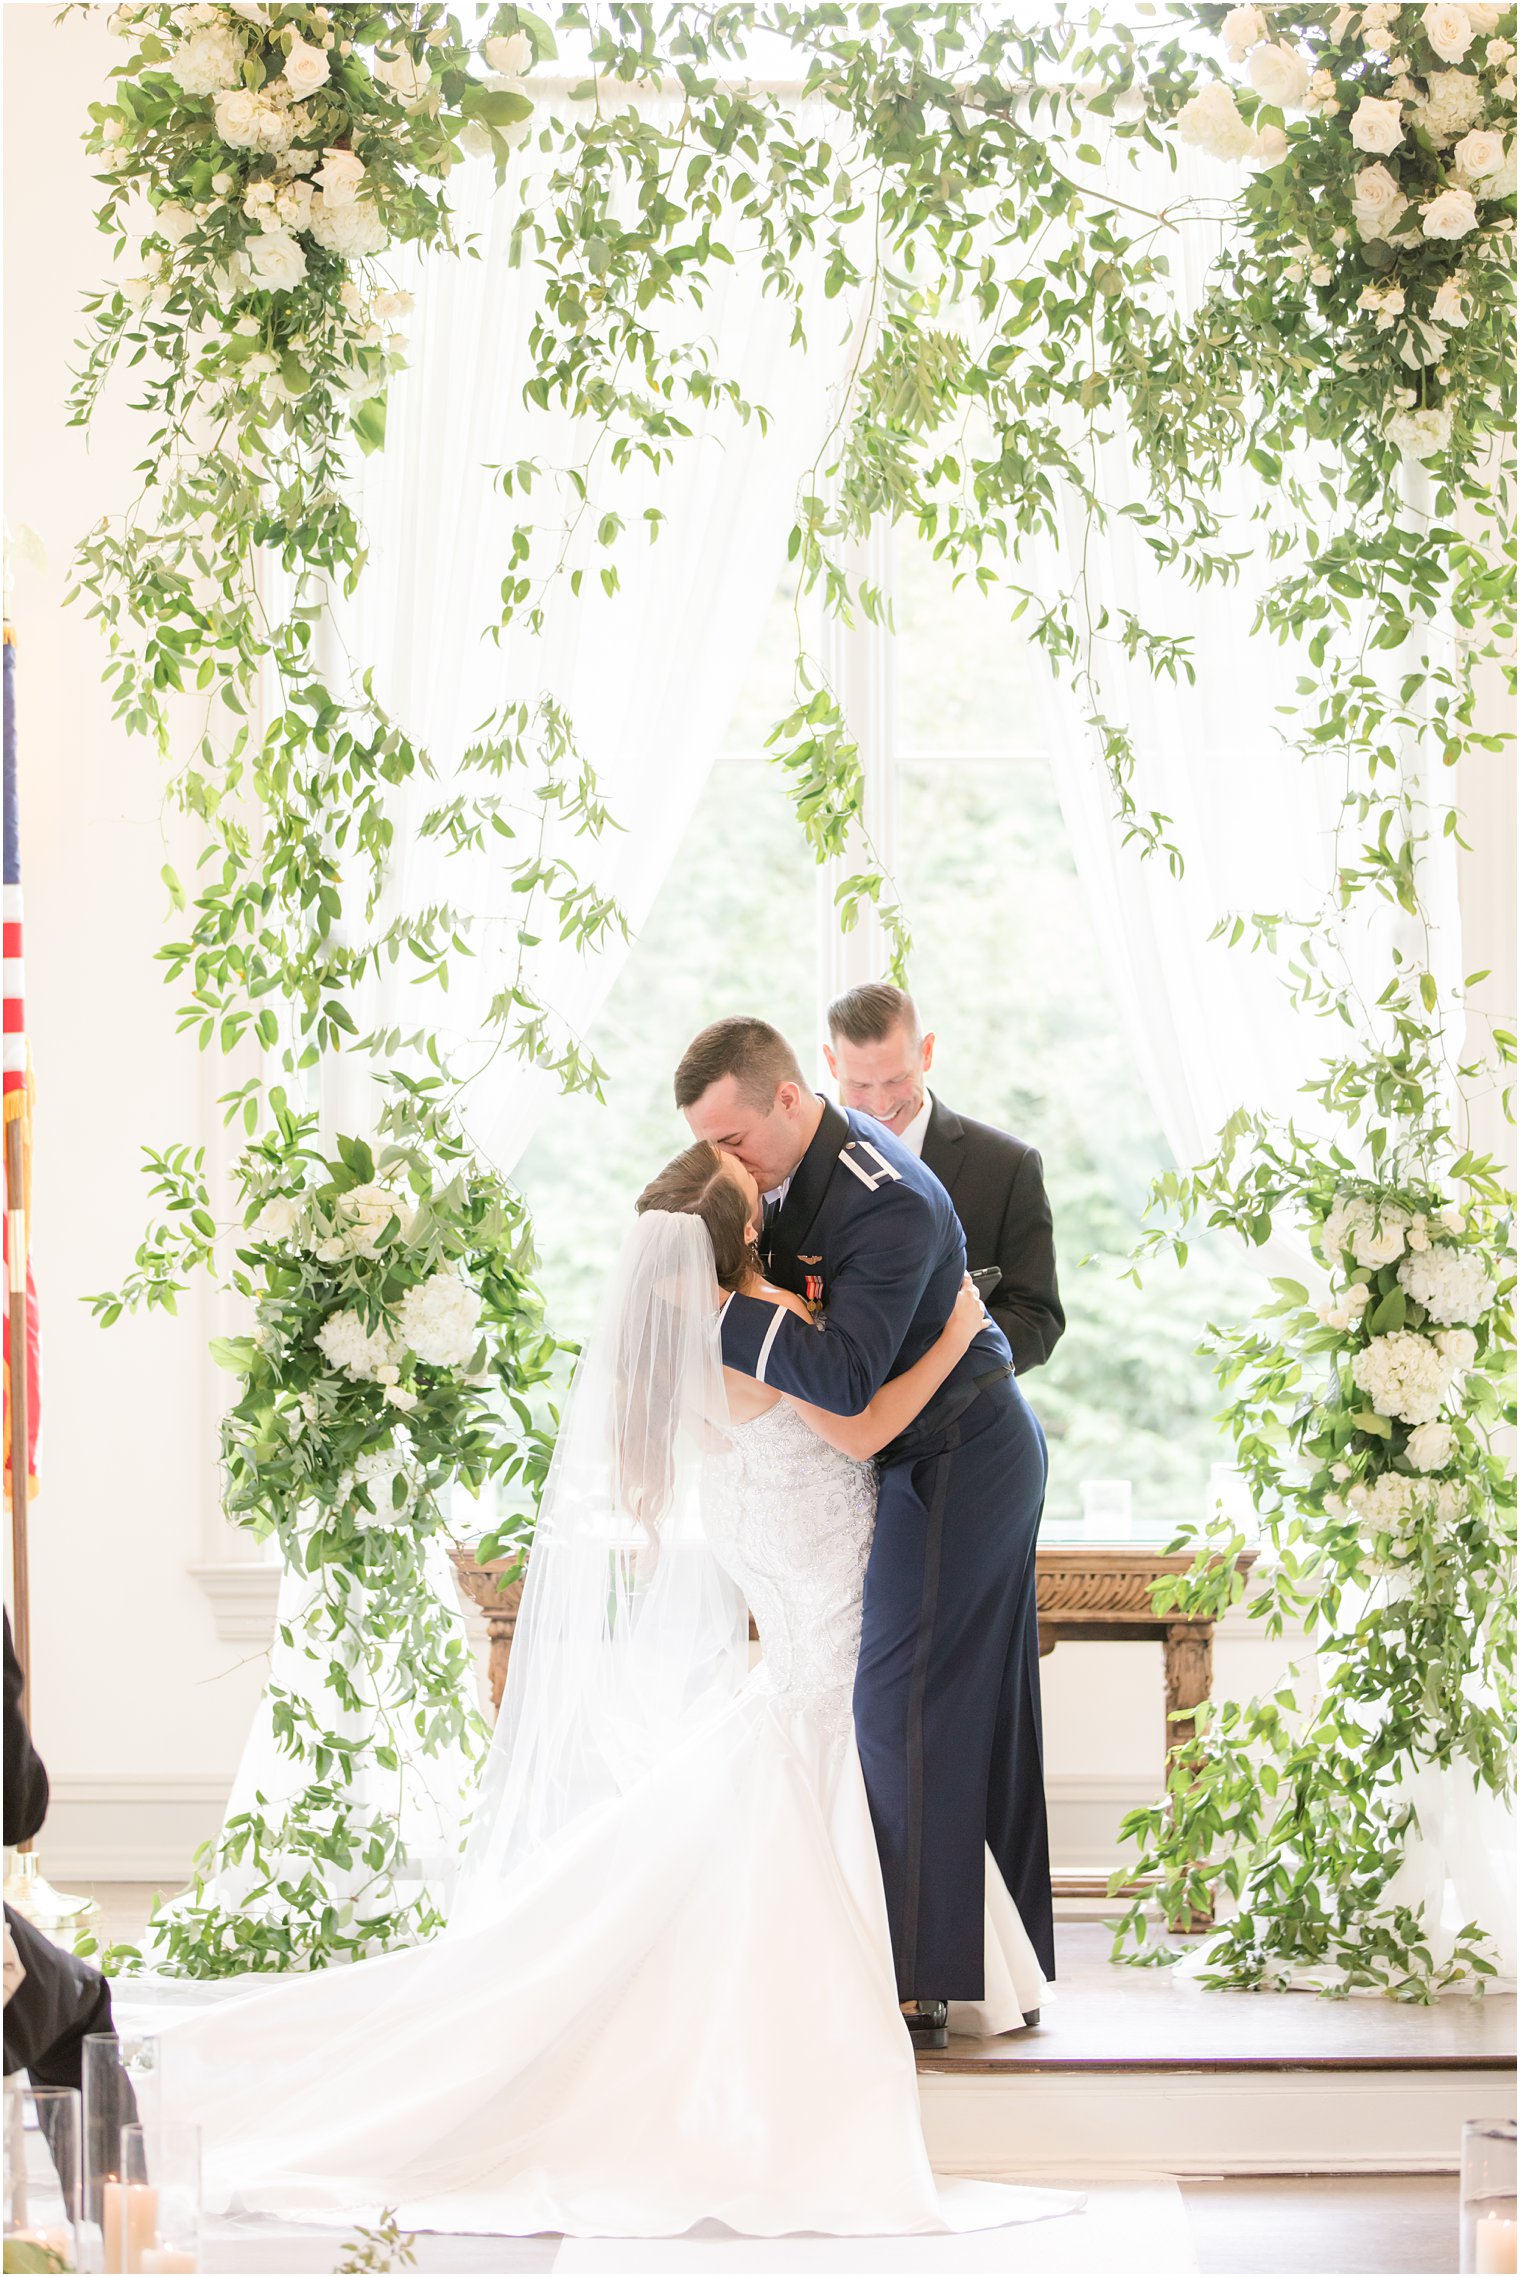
(963, 175)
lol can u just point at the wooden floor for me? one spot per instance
(1105, 2018)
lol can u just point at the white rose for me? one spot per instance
(398, 1396)
(306, 68)
(1270, 145)
(1321, 274)
(174, 222)
(1377, 202)
(1449, 29)
(278, 1218)
(1484, 19)
(1480, 152)
(137, 291)
(403, 75)
(331, 1251)
(1420, 434)
(475, 139)
(1452, 1219)
(252, 122)
(340, 177)
(259, 204)
(1451, 214)
(251, 11)
(390, 305)
(514, 53)
(1377, 126)
(352, 229)
(1431, 1446)
(207, 61)
(1451, 305)
(1279, 75)
(1459, 1346)
(1211, 121)
(277, 262)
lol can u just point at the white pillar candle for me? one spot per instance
(135, 2211)
(166, 2259)
(1494, 2246)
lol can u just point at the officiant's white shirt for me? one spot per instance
(913, 1137)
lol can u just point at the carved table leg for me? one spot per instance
(1189, 1677)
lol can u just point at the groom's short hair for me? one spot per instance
(756, 1055)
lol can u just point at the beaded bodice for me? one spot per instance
(792, 1521)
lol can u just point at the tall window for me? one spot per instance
(946, 705)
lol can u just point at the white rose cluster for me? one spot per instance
(249, 121)
(440, 1320)
(1430, 1446)
(354, 1350)
(1404, 1374)
(1372, 1234)
(1453, 1285)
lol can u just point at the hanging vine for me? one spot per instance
(966, 182)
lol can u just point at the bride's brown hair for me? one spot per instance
(697, 1184)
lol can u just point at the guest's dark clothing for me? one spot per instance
(62, 1998)
(997, 1184)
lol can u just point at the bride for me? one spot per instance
(665, 1993)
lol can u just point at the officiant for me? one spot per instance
(880, 1058)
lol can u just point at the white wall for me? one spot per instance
(140, 1699)
(129, 1679)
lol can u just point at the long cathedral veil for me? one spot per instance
(631, 1634)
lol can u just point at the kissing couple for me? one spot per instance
(705, 1910)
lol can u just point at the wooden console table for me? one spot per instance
(1096, 1592)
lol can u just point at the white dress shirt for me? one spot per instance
(913, 1137)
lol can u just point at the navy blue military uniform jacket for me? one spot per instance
(869, 1238)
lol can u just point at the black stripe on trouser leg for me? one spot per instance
(918, 1683)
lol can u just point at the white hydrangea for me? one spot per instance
(1211, 121)
(1420, 434)
(1404, 1376)
(1373, 1234)
(1452, 1284)
(1431, 1446)
(440, 1320)
(1385, 1501)
(353, 228)
(209, 61)
(1452, 102)
(353, 1349)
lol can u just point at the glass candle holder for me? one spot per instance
(42, 2176)
(153, 2213)
(1107, 1509)
(1488, 2197)
(121, 2080)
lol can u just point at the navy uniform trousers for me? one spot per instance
(947, 1693)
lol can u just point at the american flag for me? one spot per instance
(18, 1088)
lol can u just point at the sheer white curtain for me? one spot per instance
(647, 675)
(1215, 1027)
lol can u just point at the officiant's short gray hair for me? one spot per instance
(756, 1055)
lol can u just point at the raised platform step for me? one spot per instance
(1137, 2071)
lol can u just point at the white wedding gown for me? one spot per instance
(684, 2007)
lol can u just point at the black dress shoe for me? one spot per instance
(929, 2023)
(1031, 2016)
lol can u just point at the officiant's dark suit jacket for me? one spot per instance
(997, 1184)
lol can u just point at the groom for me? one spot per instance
(947, 1699)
